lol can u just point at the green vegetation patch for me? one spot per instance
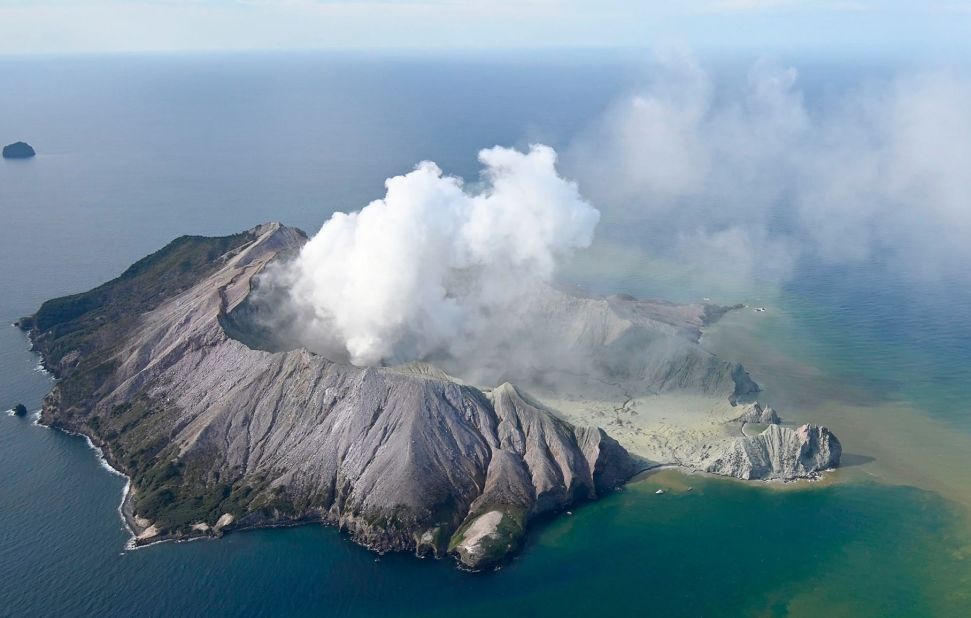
(174, 494)
(502, 541)
(79, 337)
(93, 322)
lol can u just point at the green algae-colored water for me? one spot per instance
(885, 365)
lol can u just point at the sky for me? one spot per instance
(859, 27)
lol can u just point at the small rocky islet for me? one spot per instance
(160, 369)
(18, 150)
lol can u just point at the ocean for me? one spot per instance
(136, 150)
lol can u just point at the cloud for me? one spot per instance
(748, 179)
(731, 6)
(437, 266)
(736, 181)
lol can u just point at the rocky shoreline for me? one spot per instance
(138, 528)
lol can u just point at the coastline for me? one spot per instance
(879, 434)
(124, 506)
(824, 477)
(126, 514)
(134, 529)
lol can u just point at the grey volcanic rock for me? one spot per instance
(167, 369)
(18, 150)
(20, 410)
(756, 413)
(218, 435)
(777, 453)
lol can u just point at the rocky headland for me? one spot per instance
(163, 369)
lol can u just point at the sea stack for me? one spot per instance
(20, 410)
(18, 150)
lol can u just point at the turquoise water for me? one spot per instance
(134, 151)
(720, 549)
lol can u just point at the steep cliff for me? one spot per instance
(776, 453)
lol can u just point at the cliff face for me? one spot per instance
(776, 453)
(213, 431)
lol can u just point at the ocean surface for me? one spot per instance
(136, 150)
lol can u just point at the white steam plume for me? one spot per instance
(433, 265)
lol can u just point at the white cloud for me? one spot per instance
(748, 180)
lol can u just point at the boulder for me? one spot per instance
(756, 413)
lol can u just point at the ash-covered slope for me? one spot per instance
(215, 434)
(220, 427)
(642, 347)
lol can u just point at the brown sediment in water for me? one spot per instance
(885, 440)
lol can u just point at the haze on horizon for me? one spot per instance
(861, 28)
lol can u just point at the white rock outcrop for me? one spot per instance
(777, 453)
(758, 414)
